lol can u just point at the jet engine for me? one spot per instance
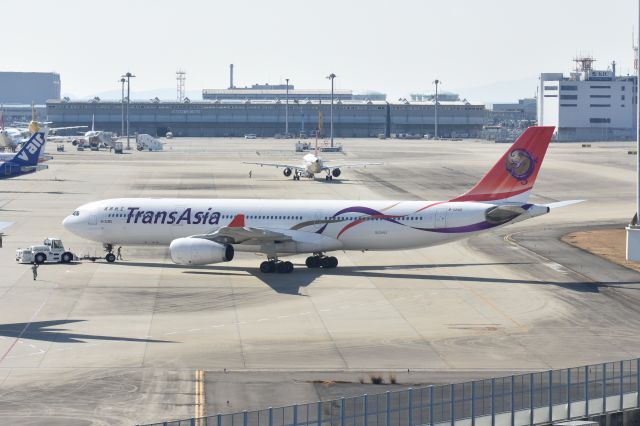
(336, 172)
(198, 251)
(286, 171)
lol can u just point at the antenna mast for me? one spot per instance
(181, 77)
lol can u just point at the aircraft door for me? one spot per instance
(93, 219)
(441, 217)
(177, 229)
(7, 169)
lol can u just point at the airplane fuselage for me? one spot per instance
(314, 225)
(312, 164)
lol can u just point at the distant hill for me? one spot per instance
(504, 91)
(163, 94)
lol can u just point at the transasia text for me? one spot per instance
(188, 217)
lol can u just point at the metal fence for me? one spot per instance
(524, 399)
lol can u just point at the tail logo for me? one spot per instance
(34, 144)
(520, 164)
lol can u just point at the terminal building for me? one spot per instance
(29, 87)
(282, 92)
(266, 109)
(525, 109)
(271, 92)
(588, 104)
(266, 118)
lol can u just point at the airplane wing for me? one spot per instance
(349, 165)
(244, 235)
(277, 165)
(237, 233)
(4, 225)
(64, 138)
(67, 128)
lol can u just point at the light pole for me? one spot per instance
(122, 80)
(633, 230)
(128, 76)
(331, 77)
(436, 82)
(286, 111)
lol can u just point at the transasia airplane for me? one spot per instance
(206, 231)
(26, 160)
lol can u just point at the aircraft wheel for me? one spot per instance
(313, 262)
(40, 258)
(329, 262)
(267, 267)
(110, 257)
(284, 267)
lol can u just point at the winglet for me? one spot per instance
(237, 222)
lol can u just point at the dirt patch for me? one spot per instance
(609, 244)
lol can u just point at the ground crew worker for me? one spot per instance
(34, 268)
(250, 173)
(119, 256)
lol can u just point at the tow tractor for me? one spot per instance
(51, 251)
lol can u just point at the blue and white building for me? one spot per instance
(588, 104)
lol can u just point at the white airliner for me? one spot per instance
(92, 137)
(205, 231)
(311, 165)
(12, 137)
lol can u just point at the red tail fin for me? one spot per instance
(513, 176)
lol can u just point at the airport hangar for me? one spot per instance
(266, 118)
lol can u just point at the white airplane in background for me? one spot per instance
(311, 165)
(92, 137)
(12, 137)
(204, 231)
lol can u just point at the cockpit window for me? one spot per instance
(76, 213)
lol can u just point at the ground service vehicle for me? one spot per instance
(51, 251)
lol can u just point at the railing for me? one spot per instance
(524, 399)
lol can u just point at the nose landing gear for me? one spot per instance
(110, 257)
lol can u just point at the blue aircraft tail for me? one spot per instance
(30, 151)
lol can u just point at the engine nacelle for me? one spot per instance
(286, 172)
(336, 172)
(198, 251)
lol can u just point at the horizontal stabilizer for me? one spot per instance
(566, 203)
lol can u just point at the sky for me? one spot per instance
(490, 49)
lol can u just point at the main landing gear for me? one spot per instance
(274, 265)
(321, 261)
(110, 257)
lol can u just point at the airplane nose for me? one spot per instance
(70, 223)
(66, 222)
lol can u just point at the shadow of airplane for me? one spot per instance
(40, 330)
(303, 277)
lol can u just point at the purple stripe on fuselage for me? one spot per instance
(364, 210)
(467, 228)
